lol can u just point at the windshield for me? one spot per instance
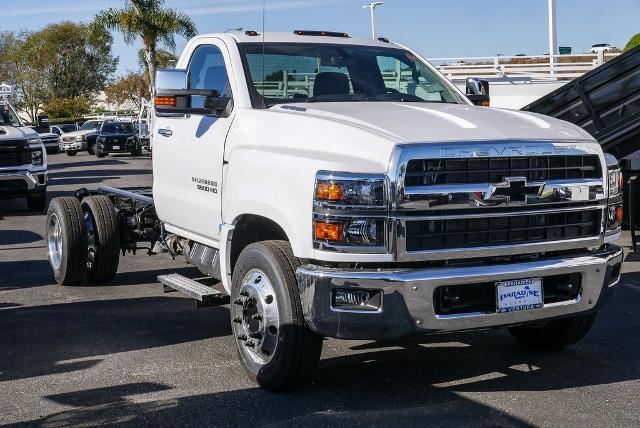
(68, 128)
(117, 127)
(90, 125)
(313, 72)
(7, 116)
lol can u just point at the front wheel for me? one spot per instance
(274, 344)
(72, 152)
(37, 202)
(554, 334)
(100, 154)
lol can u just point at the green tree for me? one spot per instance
(67, 107)
(63, 61)
(635, 41)
(151, 22)
(130, 88)
(164, 59)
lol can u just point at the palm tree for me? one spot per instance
(152, 23)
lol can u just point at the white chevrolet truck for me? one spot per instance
(339, 187)
(23, 158)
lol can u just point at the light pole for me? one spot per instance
(553, 35)
(372, 6)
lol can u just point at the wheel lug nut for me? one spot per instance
(256, 317)
(245, 294)
(242, 337)
(237, 320)
(250, 344)
(256, 335)
(238, 302)
(258, 279)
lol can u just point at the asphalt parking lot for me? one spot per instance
(125, 353)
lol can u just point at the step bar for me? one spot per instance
(204, 295)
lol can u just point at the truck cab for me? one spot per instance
(23, 158)
(342, 187)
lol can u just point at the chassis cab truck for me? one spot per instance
(339, 187)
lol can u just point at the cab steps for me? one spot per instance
(203, 294)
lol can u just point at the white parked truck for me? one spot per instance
(341, 187)
(23, 158)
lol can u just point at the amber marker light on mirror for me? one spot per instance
(165, 101)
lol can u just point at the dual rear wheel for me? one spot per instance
(83, 239)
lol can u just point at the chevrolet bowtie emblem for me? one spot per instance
(513, 190)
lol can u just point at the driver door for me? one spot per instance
(188, 154)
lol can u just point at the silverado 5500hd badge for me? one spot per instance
(205, 185)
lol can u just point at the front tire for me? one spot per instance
(100, 154)
(554, 334)
(37, 202)
(72, 152)
(66, 240)
(103, 238)
(91, 149)
(275, 346)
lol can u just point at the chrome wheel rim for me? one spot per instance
(54, 239)
(256, 318)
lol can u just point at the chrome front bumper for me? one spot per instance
(407, 305)
(32, 179)
(73, 146)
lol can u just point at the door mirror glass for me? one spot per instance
(478, 91)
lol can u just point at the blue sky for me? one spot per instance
(436, 28)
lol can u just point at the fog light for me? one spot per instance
(357, 300)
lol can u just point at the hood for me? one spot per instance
(8, 133)
(117, 134)
(434, 122)
(85, 132)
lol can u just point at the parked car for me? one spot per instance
(23, 158)
(117, 137)
(601, 47)
(82, 139)
(51, 142)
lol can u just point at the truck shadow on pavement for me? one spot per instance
(414, 381)
(61, 338)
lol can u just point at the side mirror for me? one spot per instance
(172, 96)
(478, 92)
(56, 131)
(43, 126)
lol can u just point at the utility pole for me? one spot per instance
(553, 35)
(372, 6)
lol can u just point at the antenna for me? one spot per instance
(372, 6)
(264, 13)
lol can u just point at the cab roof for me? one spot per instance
(292, 37)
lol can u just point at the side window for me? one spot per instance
(401, 77)
(208, 71)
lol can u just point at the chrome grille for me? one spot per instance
(425, 172)
(14, 153)
(428, 235)
(497, 199)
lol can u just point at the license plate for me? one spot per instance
(519, 295)
(116, 147)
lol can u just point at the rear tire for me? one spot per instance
(66, 240)
(103, 238)
(37, 202)
(100, 154)
(554, 334)
(278, 351)
(72, 152)
(91, 149)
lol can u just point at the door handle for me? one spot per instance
(165, 132)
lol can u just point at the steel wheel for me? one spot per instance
(256, 318)
(54, 234)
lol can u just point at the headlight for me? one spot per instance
(80, 138)
(616, 181)
(335, 195)
(346, 189)
(36, 157)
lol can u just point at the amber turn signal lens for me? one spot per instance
(329, 192)
(329, 231)
(165, 101)
(619, 213)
